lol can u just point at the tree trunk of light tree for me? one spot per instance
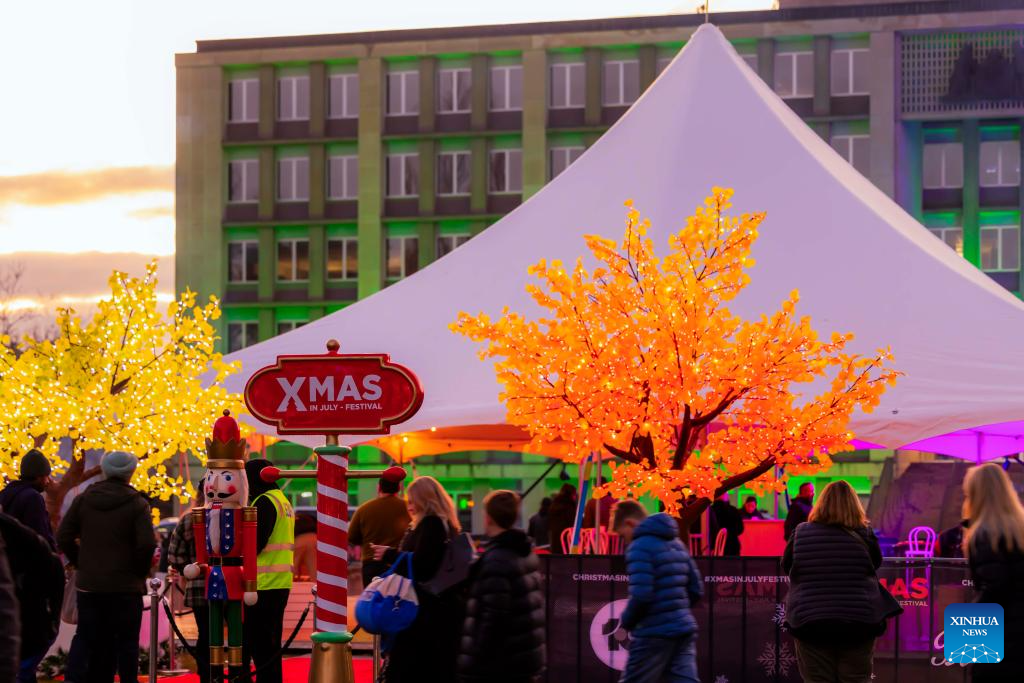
(58, 491)
(689, 514)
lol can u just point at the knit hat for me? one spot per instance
(34, 465)
(118, 465)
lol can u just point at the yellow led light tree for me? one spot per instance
(641, 356)
(129, 378)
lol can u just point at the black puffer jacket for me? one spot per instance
(999, 578)
(834, 587)
(503, 635)
(38, 582)
(108, 535)
(9, 653)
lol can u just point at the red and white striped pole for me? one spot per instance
(332, 657)
(332, 538)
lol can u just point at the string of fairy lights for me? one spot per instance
(621, 350)
(129, 378)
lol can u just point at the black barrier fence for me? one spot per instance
(742, 637)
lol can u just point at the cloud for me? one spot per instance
(70, 279)
(153, 212)
(50, 188)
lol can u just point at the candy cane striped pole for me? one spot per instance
(332, 538)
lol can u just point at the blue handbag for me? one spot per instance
(389, 604)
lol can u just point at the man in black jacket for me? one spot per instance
(503, 635)
(727, 517)
(799, 509)
(23, 499)
(39, 586)
(107, 534)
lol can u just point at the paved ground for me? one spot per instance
(296, 670)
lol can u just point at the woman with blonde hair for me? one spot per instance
(426, 651)
(835, 607)
(994, 547)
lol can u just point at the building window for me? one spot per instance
(244, 101)
(289, 325)
(952, 237)
(856, 149)
(243, 181)
(561, 157)
(241, 335)
(1000, 248)
(453, 173)
(293, 98)
(621, 82)
(293, 260)
(568, 84)
(453, 91)
(448, 243)
(343, 177)
(661, 64)
(293, 179)
(243, 261)
(943, 166)
(506, 88)
(343, 258)
(344, 94)
(1000, 163)
(403, 257)
(403, 93)
(794, 74)
(403, 175)
(506, 176)
(849, 72)
(751, 60)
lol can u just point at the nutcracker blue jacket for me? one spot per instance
(663, 581)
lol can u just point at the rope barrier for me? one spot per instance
(181, 638)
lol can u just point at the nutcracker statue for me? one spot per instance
(225, 532)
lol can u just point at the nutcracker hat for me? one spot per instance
(226, 450)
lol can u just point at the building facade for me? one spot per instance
(313, 171)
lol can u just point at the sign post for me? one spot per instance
(333, 394)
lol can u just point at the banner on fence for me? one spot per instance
(742, 633)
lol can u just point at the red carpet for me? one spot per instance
(296, 670)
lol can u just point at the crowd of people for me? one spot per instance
(487, 623)
(835, 617)
(557, 514)
(93, 573)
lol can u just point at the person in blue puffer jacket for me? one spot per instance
(663, 584)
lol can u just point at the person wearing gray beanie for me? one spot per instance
(107, 534)
(118, 465)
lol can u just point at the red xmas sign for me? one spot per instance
(333, 394)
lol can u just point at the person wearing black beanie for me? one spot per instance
(23, 499)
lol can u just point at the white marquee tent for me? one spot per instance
(861, 264)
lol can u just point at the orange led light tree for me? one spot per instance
(641, 356)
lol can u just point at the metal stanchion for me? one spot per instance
(154, 626)
(376, 657)
(172, 647)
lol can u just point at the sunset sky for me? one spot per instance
(88, 123)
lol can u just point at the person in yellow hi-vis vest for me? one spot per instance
(275, 543)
